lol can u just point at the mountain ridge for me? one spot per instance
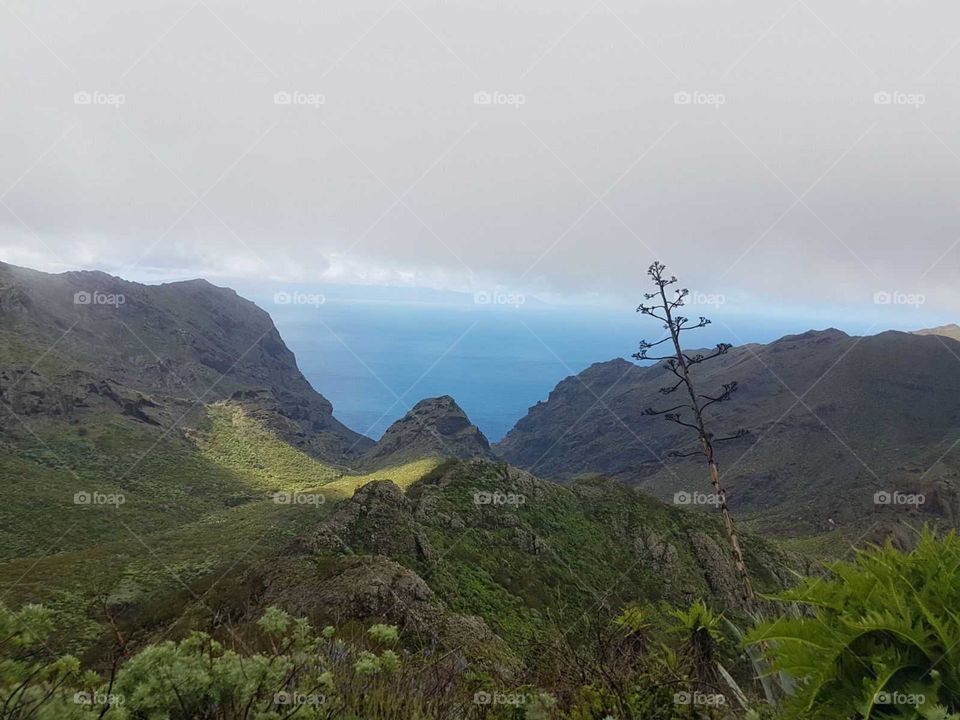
(174, 345)
(833, 419)
(950, 330)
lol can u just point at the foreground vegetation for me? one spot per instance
(283, 668)
(877, 638)
(882, 639)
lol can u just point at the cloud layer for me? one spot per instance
(796, 153)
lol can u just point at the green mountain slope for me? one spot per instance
(462, 539)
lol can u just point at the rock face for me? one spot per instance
(833, 419)
(375, 588)
(185, 342)
(951, 331)
(479, 537)
(435, 427)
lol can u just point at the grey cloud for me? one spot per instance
(742, 143)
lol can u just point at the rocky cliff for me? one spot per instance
(83, 339)
(832, 420)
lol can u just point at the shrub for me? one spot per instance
(882, 639)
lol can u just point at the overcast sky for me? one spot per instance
(742, 143)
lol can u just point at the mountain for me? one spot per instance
(434, 427)
(832, 420)
(472, 556)
(951, 331)
(167, 468)
(485, 539)
(83, 342)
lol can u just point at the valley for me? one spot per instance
(167, 469)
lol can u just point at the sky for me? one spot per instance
(795, 156)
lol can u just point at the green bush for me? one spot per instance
(882, 637)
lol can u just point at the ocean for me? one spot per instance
(374, 352)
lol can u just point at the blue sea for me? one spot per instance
(375, 352)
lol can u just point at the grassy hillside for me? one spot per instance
(234, 441)
(594, 544)
(199, 532)
(165, 479)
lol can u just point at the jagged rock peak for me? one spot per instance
(435, 427)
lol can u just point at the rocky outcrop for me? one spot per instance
(374, 588)
(184, 341)
(517, 518)
(435, 427)
(378, 518)
(26, 392)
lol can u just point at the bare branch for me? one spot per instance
(645, 344)
(742, 432)
(675, 418)
(728, 390)
(652, 411)
(675, 454)
(667, 389)
(721, 349)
